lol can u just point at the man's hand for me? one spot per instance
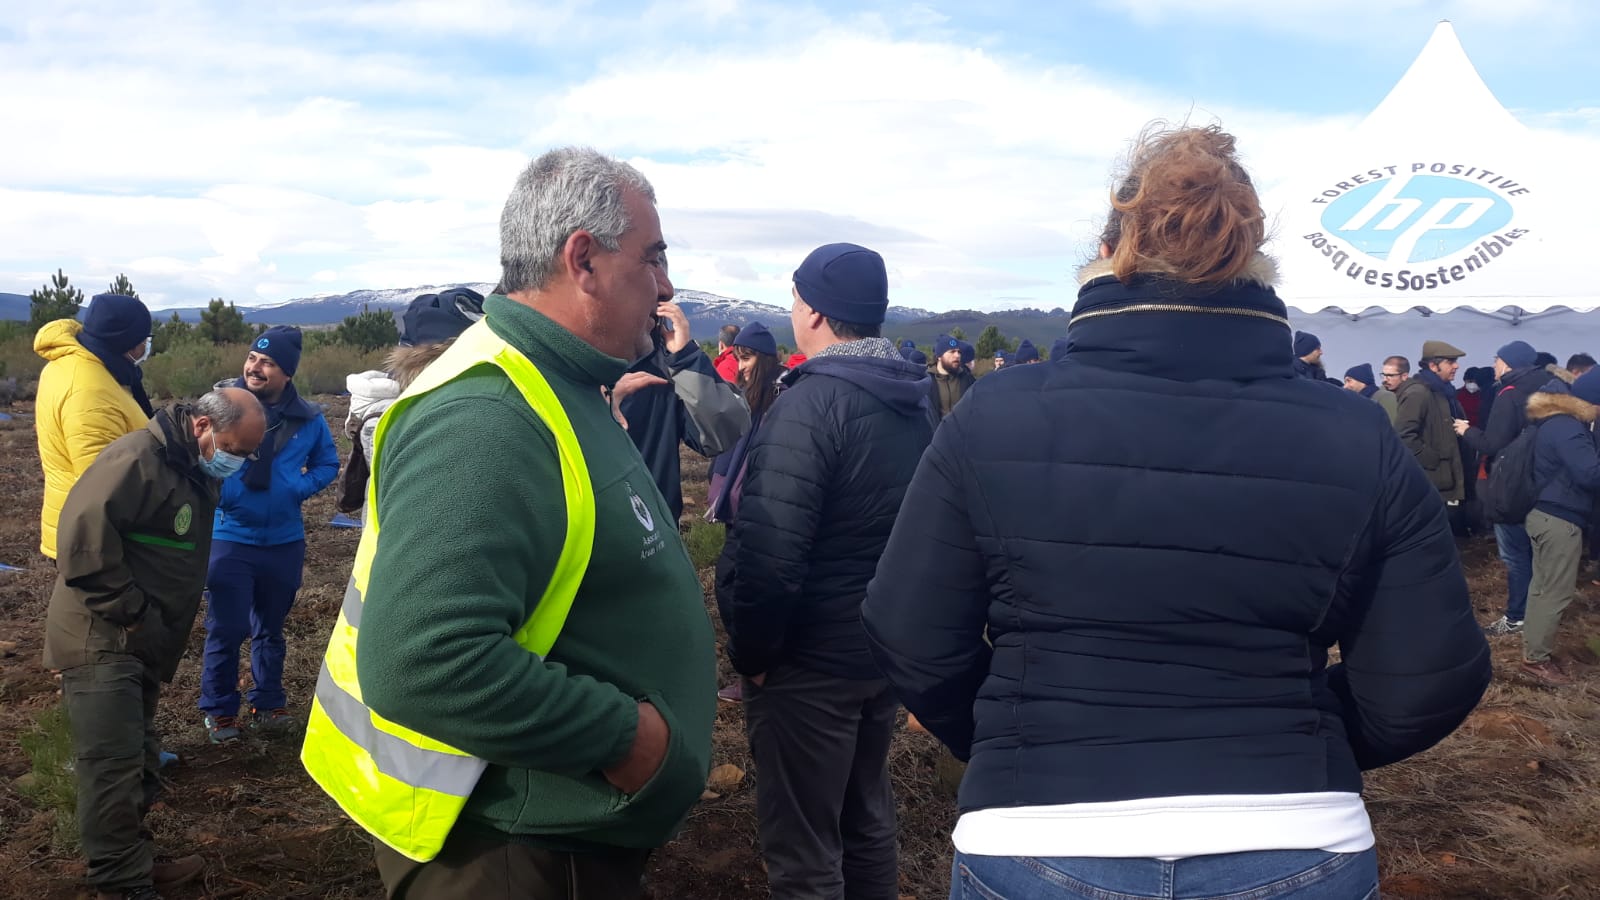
(626, 385)
(645, 757)
(678, 337)
(1461, 426)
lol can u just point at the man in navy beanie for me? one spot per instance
(825, 476)
(1308, 356)
(91, 392)
(1027, 353)
(1362, 380)
(258, 545)
(1520, 375)
(949, 375)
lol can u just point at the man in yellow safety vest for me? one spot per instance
(520, 689)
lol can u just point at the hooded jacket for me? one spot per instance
(1040, 618)
(304, 463)
(823, 484)
(135, 538)
(1566, 459)
(697, 408)
(371, 393)
(1425, 420)
(81, 409)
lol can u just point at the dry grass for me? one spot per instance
(1503, 809)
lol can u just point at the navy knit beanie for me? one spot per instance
(847, 282)
(1587, 387)
(436, 318)
(282, 343)
(1517, 354)
(918, 357)
(1362, 373)
(944, 343)
(1026, 352)
(117, 321)
(968, 352)
(1058, 349)
(1305, 344)
(755, 336)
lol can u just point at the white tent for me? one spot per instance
(1440, 216)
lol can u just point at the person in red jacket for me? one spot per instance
(795, 359)
(726, 364)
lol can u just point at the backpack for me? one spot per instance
(1513, 488)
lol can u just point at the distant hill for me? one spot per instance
(13, 307)
(707, 312)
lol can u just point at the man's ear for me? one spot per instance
(577, 256)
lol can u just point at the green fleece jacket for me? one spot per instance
(473, 517)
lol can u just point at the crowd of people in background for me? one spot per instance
(518, 695)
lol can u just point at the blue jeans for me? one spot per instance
(249, 591)
(1516, 551)
(1261, 875)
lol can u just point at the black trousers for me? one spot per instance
(111, 706)
(823, 799)
(482, 868)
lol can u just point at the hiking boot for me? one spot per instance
(1503, 626)
(1549, 672)
(223, 729)
(733, 693)
(273, 721)
(177, 870)
(138, 893)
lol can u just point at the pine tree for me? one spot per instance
(121, 285)
(169, 334)
(221, 323)
(958, 334)
(368, 330)
(991, 341)
(56, 300)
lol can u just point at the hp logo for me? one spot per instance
(1416, 218)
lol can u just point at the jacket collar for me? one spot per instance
(174, 431)
(1547, 404)
(1152, 325)
(553, 348)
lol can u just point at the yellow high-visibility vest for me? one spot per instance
(406, 788)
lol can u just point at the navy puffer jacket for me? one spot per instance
(1137, 599)
(1565, 458)
(825, 479)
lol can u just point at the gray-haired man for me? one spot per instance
(131, 566)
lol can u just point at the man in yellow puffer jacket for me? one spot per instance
(90, 394)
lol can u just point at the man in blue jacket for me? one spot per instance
(259, 543)
(1567, 462)
(826, 473)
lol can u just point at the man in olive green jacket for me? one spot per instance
(1427, 410)
(131, 565)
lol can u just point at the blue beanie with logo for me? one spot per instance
(282, 343)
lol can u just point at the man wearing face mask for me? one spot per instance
(134, 536)
(90, 394)
(260, 545)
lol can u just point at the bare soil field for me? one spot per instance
(1508, 807)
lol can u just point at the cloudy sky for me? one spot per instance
(261, 152)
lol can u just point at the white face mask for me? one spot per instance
(148, 342)
(1472, 388)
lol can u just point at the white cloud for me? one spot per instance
(260, 153)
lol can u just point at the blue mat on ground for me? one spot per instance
(340, 520)
(6, 568)
(5, 417)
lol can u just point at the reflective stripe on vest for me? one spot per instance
(405, 788)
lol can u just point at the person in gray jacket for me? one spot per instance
(673, 394)
(1363, 381)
